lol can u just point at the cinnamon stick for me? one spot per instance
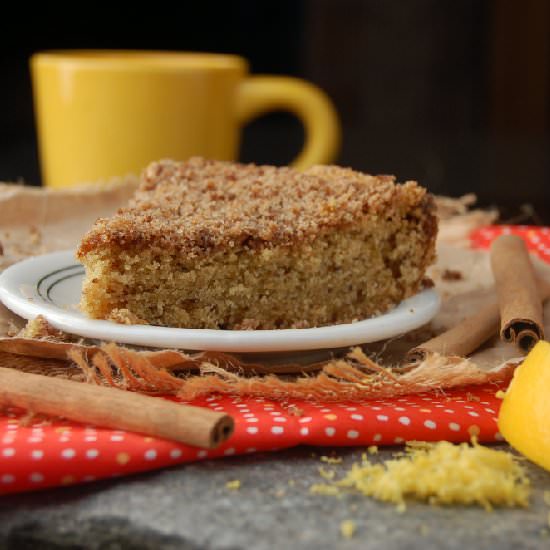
(519, 301)
(468, 335)
(114, 408)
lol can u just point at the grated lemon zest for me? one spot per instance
(440, 473)
(347, 528)
(327, 474)
(331, 459)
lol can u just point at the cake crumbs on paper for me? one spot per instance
(347, 528)
(438, 473)
(233, 485)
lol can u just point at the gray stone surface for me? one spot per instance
(189, 507)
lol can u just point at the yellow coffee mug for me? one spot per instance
(102, 114)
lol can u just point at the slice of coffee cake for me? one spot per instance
(209, 244)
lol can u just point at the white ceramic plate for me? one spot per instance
(50, 285)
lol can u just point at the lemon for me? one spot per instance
(524, 418)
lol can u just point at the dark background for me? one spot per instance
(453, 93)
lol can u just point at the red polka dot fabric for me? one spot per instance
(536, 238)
(48, 454)
(44, 454)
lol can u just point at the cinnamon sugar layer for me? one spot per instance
(198, 205)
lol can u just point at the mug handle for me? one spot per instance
(259, 94)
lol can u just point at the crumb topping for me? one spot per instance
(198, 205)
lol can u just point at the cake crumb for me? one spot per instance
(452, 275)
(372, 449)
(500, 394)
(347, 528)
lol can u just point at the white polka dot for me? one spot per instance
(330, 431)
(252, 429)
(376, 408)
(202, 454)
(92, 453)
(275, 413)
(398, 440)
(382, 418)
(325, 410)
(305, 419)
(9, 451)
(353, 434)
(34, 439)
(252, 420)
(211, 398)
(449, 411)
(351, 408)
(454, 426)
(64, 439)
(248, 415)
(68, 453)
(490, 411)
(473, 413)
(405, 420)
(357, 417)
(377, 437)
(251, 450)
(37, 454)
(304, 430)
(117, 437)
(279, 419)
(90, 438)
(36, 477)
(7, 478)
(150, 454)
(277, 430)
(218, 408)
(175, 453)
(399, 409)
(241, 405)
(430, 424)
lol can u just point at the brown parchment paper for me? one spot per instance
(35, 221)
